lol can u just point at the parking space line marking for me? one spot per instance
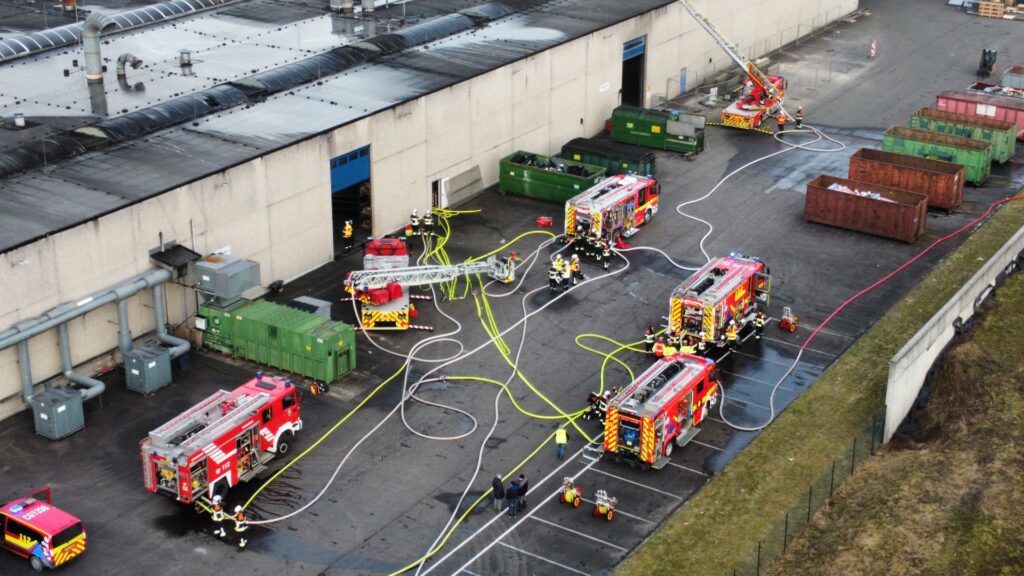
(707, 445)
(470, 572)
(759, 381)
(741, 353)
(577, 532)
(618, 511)
(745, 403)
(822, 352)
(539, 557)
(637, 483)
(687, 469)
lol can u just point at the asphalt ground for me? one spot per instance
(397, 490)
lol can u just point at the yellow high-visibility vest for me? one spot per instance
(561, 436)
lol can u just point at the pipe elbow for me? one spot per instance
(96, 23)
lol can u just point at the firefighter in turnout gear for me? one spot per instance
(428, 223)
(567, 276)
(346, 234)
(554, 278)
(674, 339)
(760, 319)
(606, 254)
(579, 242)
(649, 340)
(688, 346)
(732, 334)
(218, 517)
(574, 267)
(702, 344)
(414, 221)
(659, 347)
(241, 525)
(799, 117)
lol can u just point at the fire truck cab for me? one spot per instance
(660, 409)
(616, 206)
(34, 528)
(733, 288)
(225, 439)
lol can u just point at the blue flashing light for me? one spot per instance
(287, 383)
(732, 254)
(17, 508)
(259, 375)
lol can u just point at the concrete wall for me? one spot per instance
(909, 367)
(276, 209)
(272, 209)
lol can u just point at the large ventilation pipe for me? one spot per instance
(26, 370)
(125, 60)
(93, 387)
(91, 30)
(179, 346)
(124, 331)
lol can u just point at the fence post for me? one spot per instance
(810, 493)
(832, 480)
(785, 533)
(853, 458)
(874, 424)
(758, 573)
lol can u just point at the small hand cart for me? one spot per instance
(605, 505)
(571, 494)
(788, 320)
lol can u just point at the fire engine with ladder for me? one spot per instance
(731, 288)
(762, 94)
(615, 207)
(384, 293)
(226, 439)
(660, 410)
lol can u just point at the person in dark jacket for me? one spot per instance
(498, 491)
(524, 485)
(512, 497)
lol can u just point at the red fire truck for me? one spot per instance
(226, 439)
(615, 207)
(733, 288)
(660, 409)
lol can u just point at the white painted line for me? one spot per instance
(687, 469)
(548, 560)
(744, 403)
(619, 511)
(742, 353)
(752, 379)
(809, 349)
(470, 572)
(533, 510)
(707, 445)
(637, 483)
(578, 533)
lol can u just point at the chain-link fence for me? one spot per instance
(795, 520)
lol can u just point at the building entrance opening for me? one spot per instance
(634, 53)
(350, 196)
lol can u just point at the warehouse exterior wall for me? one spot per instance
(277, 209)
(272, 209)
(542, 101)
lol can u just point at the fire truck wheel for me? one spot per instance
(713, 400)
(668, 449)
(282, 447)
(645, 466)
(610, 515)
(36, 563)
(647, 216)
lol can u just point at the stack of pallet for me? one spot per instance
(991, 9)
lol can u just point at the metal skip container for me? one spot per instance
(865, 207)
(614, 157)
(942, 182)
(1002, 135)
(975, 155)
(537, 176)
(1008, 108)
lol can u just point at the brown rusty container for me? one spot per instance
(942, 182)
(900, 215)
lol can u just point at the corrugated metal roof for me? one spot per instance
(154, 164)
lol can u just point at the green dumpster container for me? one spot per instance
(282, 337)
(614, 157)
(551, 179)
(664, 130)
(1001, 134)
(974, 155)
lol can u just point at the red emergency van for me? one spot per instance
(36, 529)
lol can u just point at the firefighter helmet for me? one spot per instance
(732, 322)
(238, 509)
(415, 212)
(216, 498)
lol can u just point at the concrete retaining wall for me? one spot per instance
(909, 367)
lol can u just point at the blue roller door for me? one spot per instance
(350, 169)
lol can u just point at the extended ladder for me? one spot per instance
(500, 269)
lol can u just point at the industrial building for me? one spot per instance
(258, 128)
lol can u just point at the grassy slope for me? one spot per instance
(725, 520)
(949, 501)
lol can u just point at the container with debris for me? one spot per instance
(865, 207)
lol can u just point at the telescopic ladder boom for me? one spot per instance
(502, 269)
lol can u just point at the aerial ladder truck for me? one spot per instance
(762, 95)
(384, 293)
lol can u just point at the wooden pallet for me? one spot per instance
(991, 9)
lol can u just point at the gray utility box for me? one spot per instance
(148, 368)
(222, 279)
(58, 412)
